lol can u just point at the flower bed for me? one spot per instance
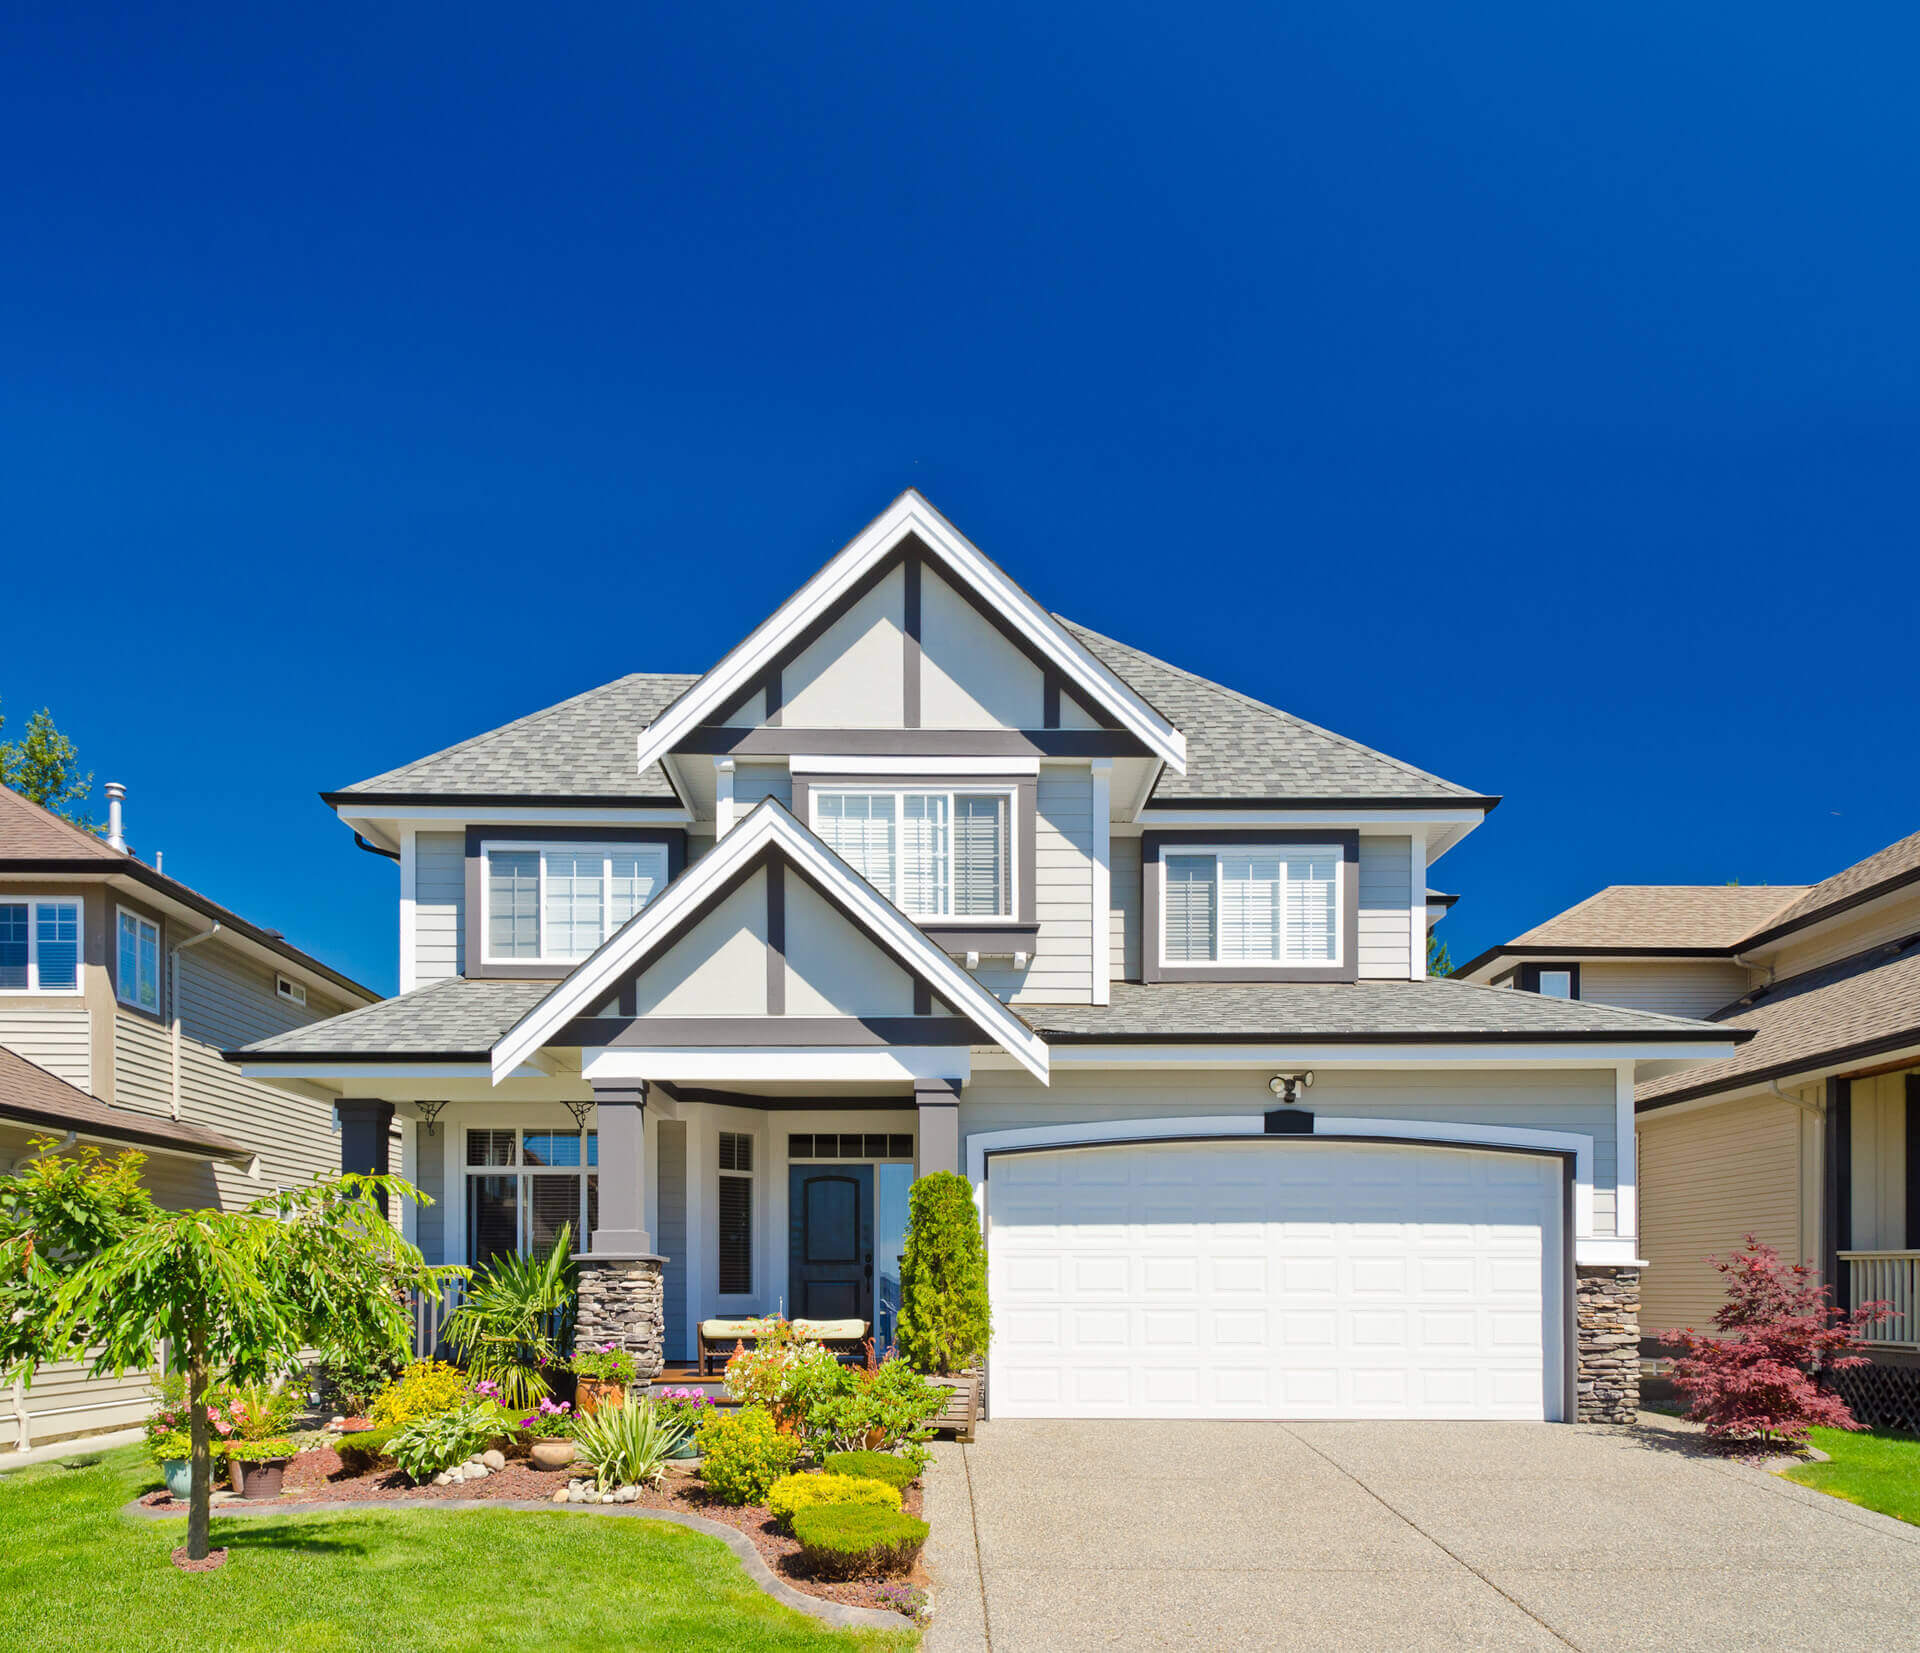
(316, 1477)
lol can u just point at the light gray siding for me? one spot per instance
(58, 1039)
(430, 1176)
(754, 781)
(439, 895)
(1124, 898)
(1061, 970)
(1678, 989)
(1553, 1100)
(670, 1148)
(1386, 895)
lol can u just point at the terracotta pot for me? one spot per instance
(551, 1454)
(595, 1393)
(259, 1477)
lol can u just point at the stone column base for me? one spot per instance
(623, 1302)
(1607, 1321)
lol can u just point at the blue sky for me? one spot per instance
(1529, 392)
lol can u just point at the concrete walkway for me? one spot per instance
(1403, 1537)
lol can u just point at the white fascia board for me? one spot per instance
(1278, 815)
(910, 514)
(770, 825)
(722, 1064)
(331, 1074)
(1491, 1055)
(826, 764)
(426, 817)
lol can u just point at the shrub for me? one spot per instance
(742, 1454)
(1778, 1331)
(363, 1453)
(857, 1540)
(351, 1376)
(626, 1445)
(781, 1372)
(424, 1388)
(881, 1407)
(793, 1493)
(873, 1466)
(260, 1451)
(259, 1412)
(440, 1440)
(605, 1364)
(515, 1319)
(943, 1278)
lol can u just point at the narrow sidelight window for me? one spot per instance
(736, 1214)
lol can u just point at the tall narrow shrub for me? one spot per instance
(943, 1282)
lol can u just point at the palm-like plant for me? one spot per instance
(628, 1445)
(517, 1314)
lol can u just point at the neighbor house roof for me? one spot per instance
(1662, 917)
(33, 1097)
(454, 1019)
(1848, 1012)
(34, 840)
(1884, 870)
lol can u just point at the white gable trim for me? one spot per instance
(911, 515)
(769, 825)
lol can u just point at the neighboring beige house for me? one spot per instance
(119, 989)
(921, 876)
(1809, 1135)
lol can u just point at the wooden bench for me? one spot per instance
(718, 1337)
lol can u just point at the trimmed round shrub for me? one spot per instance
(363, 1453)
(424, 1388)
(857, 1540)
(793, 1493)
(872, 1466)
(943, 1278)
(742, 1454)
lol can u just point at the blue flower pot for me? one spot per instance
(178, 1474)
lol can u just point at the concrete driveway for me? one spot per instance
(1400, 1536)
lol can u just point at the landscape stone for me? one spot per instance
(494, 1458)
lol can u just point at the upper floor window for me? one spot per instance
(1552, 981)
(1253, 906)
(39, 946)
(137, 978)
(558, 902)
(934, 854)
(294, 992)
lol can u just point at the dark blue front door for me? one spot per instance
(830, 1244)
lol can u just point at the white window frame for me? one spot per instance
(523, 1199)
(1561, 971)
(33, 904)
(543, 848)
(294, 992)
(120, 984)
(908, 788)
(1219, 852)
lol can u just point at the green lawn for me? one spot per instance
(76, 1573)
(1880, 1471)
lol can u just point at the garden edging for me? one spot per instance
(828, 1612)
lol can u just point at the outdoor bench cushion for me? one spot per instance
(713, 1329)
(831, 1331)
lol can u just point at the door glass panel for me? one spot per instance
(832, 1227)
(493, 1217)
(890, 1219)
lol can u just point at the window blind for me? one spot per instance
(1189, 908)
(982, 883)
(1250, 906)
(513, 904)
(13, 946)
(1312, 925)
(57, 943)
(736, 1235)
(573, 903)
(858, 827)
(925, 853)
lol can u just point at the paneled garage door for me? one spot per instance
(1274, 1277)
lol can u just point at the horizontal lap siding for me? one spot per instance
(1708, 1179)
(755, 781)
(1061, 970)
(1386, 897)
(1124, 920)
(63, 1400)
(1572, 1100)
(57, 1039)
(1669, 989)
(439, 895)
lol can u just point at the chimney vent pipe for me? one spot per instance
(115, 794)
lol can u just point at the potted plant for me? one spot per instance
(605, 1375)
(169, 1439)
(173, 1451)
(683, 1408)
(781, 1372)
(259, 1466)
(258, 1448)
(549, 1432)
(944, 1320)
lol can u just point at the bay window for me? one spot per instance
(556, 903)
(523, 1185)
(40, 946)
(933, 853)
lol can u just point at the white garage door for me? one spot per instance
(1274, 1278)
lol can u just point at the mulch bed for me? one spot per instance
(316, 1477)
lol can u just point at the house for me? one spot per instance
(119, 990)
(923, 877)
(1807, 1136)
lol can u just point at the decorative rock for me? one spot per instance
(606, 1498)
(560, 1497)
(1607, 1308)
(442, 1479)
(477, 1472)
(494, 1459)
(622, 1301)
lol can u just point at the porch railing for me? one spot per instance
(430, 1314)
(1889, 1277)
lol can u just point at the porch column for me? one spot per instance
(1836, 1219)
(365, 1130)
(938, 1101)
(622, 1299)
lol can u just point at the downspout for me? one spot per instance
(173, 992)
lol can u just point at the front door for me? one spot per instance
(830, 1219)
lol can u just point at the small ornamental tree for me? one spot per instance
(238, 1295)
(1758, 1377)
(943, 1277)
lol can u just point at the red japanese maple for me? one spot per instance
(1758, 1377)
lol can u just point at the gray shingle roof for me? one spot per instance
(583, 747)
(1238, 747)
(452, 1018)
(1433, 1008)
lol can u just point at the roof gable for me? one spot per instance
(768, 838)
(846, 580)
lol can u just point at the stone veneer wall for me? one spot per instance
(1608, 1325)
(623, 1302)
